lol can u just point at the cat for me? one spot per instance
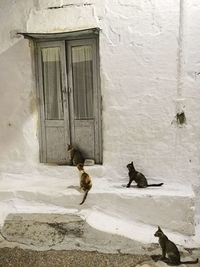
(76, 156)
(169, 248)
(138, 177)
(85, 181)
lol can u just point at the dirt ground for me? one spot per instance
(15, 257)
(28, 258)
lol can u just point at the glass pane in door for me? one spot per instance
(82, 73)
(52, 83)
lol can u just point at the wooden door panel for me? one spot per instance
(84, 137)
(56, 150)
(84, 97)
(54, 108)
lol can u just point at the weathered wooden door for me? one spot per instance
(84, 96)
(54, 109)
(69, 97)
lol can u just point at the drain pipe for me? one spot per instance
(180, 106)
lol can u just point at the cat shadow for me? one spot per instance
(132, 186)
(156, 257)
(165, 262)
(135, 186)
(77, 188)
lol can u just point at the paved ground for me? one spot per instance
(25, 258)
(15, 257)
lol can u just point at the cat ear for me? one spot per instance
(131, 162)
(159, 227)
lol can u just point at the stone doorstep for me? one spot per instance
(174, 212)
(170, 206)
(169, 210)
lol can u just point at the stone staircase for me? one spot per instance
(129, 213)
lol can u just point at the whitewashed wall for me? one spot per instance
(18, 141)
(139, 44)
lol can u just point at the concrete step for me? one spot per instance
(170, 206)
(44, 231)
(87, 230)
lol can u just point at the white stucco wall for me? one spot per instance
(139, 44)
(17, 109)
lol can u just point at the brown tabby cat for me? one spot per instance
(76, 156)
(138, 177)
(169, 249)
(85, 181)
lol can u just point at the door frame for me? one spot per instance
(44, 42)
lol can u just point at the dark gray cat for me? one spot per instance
(138, 177)
(76, 156)
(169, 249)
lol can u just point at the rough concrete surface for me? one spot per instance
(56, 236)
(64, 232)
(27, 258)
(35, 229)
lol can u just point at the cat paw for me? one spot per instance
(156, 257)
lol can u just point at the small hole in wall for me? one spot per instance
(180, 118)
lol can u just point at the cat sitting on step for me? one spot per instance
(169, 249)
(85, 181)
(138, 177)
(76, 156)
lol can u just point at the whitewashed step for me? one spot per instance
(170, 206)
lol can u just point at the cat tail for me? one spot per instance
(190, 262)
(84, 198)
(155, 184)
(62, 163)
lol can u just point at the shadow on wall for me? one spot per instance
(18, 113)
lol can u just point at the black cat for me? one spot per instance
(76, 156)
(138, 177)
(169, 249)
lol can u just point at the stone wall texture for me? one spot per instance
(150, 69)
